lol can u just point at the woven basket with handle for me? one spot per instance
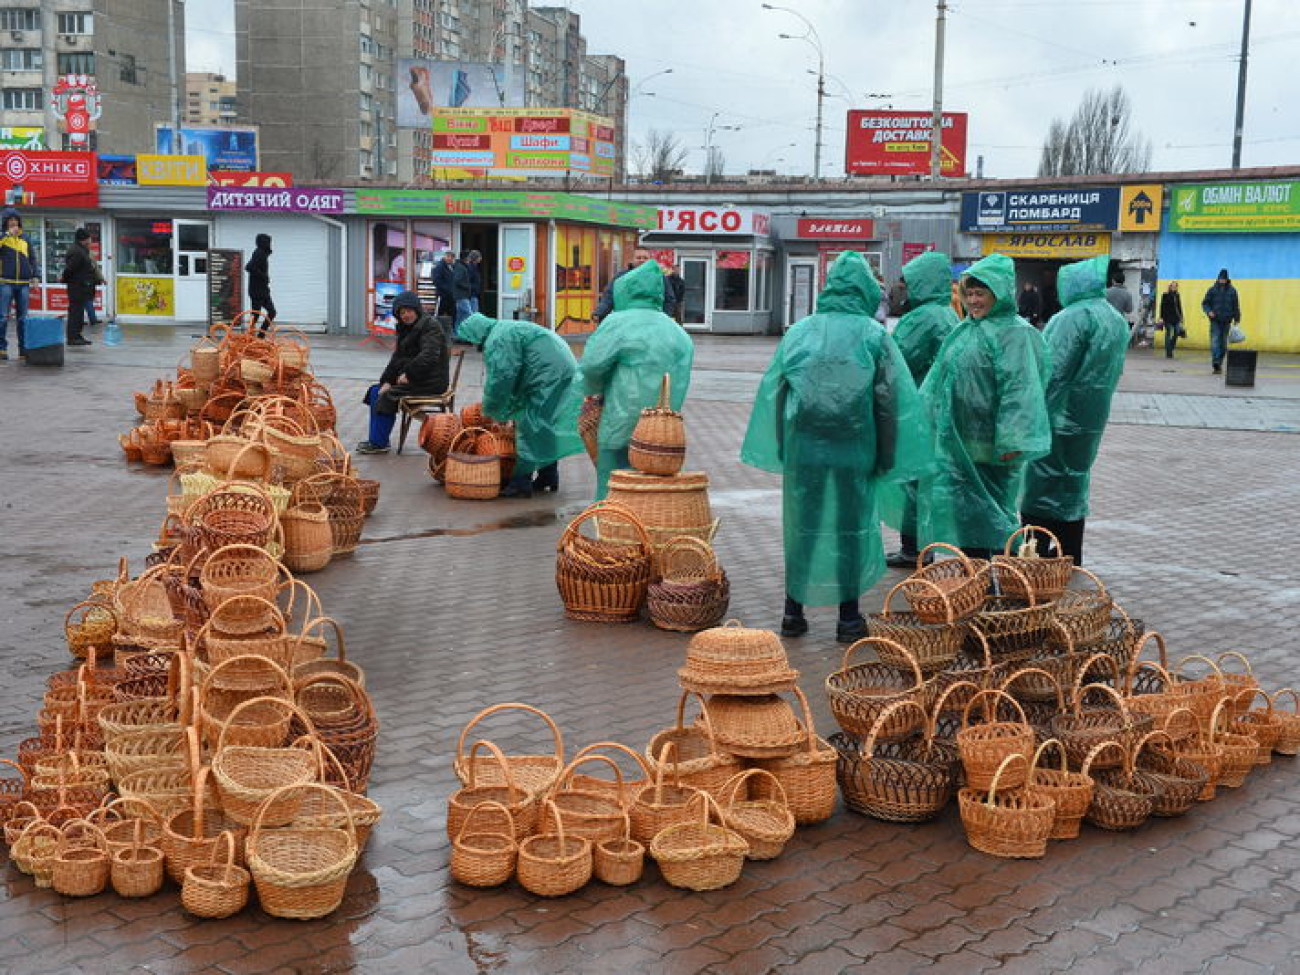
(658, 444)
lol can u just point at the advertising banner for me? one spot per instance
(1042, 210)
(423, 85)
(223, 178)
(78, 105)
(225, 285)
(22, 138)
(1139, 207)
(265, 199)
(715, 221)
(146, 296)
(835, 228)
(520, 142)
(116, 170)
(1261, 207)
(914, 249)
(505, 205)
(1056, 246)
(155, 170)
(50, 179)
(899, 142)
(230, 149)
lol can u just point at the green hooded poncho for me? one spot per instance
(918, 335)
(836, 411)
(985, 400)
(531, 378)
(1087, 340)
(625, 361)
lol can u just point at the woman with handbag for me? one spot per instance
(1171, 318)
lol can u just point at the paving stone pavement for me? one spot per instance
(451, 607)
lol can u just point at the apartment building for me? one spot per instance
(210, 99)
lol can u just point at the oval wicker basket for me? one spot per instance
(1040, 576)
(603, 579)
(658, 444)
(734, 659)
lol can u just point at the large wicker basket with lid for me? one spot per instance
(734, 659)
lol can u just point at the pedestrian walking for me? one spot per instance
(80, 276)
(671, 300)
(417, 367)
(1171, 318)
(462, 286)
(445, 275)
(1120, 299)
(674, 295)
(474, 265)
(1223, 309)
(531, 379)
(1029, 305)
(258, 270)
(919, 335)
(836, 413)
(1086, 344)
(985, 401)
(625, 360)
(19, 270)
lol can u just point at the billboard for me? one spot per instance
(1262, 207)
(423, 85)
(49, 179)
(506, 205)
(229, 149)
(1040, 210)
(472, 142)
(892, 142)
(22, 138)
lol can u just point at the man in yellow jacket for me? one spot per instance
(18, 272)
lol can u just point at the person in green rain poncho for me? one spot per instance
(836, 412)
(984, 398)
(1087, 340)
(625, 361)
(532, 379)
(918, 335)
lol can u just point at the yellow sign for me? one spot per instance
(1066, 246)
(154, 170)
(145, 296)
(1139, 208)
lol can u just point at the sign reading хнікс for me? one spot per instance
(1220, 207)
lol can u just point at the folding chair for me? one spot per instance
(412, 407)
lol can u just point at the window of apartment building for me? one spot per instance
(78, 63)
(76, 23)
(366, 101)
(22, 59)
(366, 128)
(126, 69)
(24, 99)
(367, 44)
(20, 18)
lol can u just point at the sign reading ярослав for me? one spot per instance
(1262, 207)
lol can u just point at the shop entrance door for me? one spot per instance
(800, 290)
(515, 269)
(482, 237)
(699, 291)
(192, 239)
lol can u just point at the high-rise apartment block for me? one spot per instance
(210, 99)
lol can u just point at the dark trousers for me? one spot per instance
(76, 317)
(1171, 339)
(266, 306)
(1069, 533)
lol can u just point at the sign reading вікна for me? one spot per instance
(1045, 210)
(1261, 207)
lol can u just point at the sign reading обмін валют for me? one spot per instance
(1257, 207)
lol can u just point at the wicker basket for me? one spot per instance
(661, 804)
(1085, 614)
(81, 863)
(1071, 791)
(483, 856)
(190, 836)
(658, 444)
(1288, 737)
(535, 773)
(1122, 798)
(588, 809)
(241, 570)
(219, 887)
(1038, 578)
(1014, 626)
(257, 782)
(1240, 751)
(553, 864)
(692, 591)
(235, 457)
(734, 659)
(1012, 823)
(985, 747)
(308, 541)
(520, 805)
(1260, 723)
(755, 726)
(1199, 748)
(589, 424)
(933, 646)
(807, 775)
(603, 580)
(619, 861)
(301, 871)
(858, 694)
(1082, 729)
(947, 590)
(470, 476)
(437, 432)
(1180, 779)
(666, 505)
(697, 759)
(89, 625)
(136, 869)
(763, 818)
(700, 854)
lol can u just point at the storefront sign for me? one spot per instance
(50, 179)
(1262, 207)
(225, 178)
(22, 138)
(222, 147)
(715, 221)
(146, 296)
(505, 205)
(1139, 208)
(913, 250)
(116, 170)
(899, 142)
(155, 170)
(299, 200)
(1055, 246)
(1045, 210)
(225, 285)
(836, 228)
(471, 142)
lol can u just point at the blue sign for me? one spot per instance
(228, 150)
(541, 142)
(1048, 210)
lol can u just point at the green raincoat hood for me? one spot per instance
(641, 287)
(1083, 279)
(997, 272)
(929, 279)
(850, 287)
(477, 328)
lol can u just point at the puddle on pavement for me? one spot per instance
(528, 519)
(742, 498)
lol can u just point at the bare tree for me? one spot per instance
(1097, 139)
(716, 164)
(660, 157)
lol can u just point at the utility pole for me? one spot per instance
(1241, 88)
(175, 112)
(936, 122)
(821, 98)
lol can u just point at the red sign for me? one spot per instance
(51, 179)
(228, 178)
(912, 249)
(452, 140)
(714, 220)
(899, 142)
(836, 228)
(552, 124)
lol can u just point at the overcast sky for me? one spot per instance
(1012, 65)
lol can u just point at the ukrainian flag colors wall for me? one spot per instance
(1265, 270)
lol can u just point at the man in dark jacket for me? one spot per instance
(418, 367)
(80, 277)
(258, 270)
(1029, 305)
(451, 279)
(18, 272)
(1224, 310)
(605, 303)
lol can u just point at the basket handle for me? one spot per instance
(933, 728)
(225, 839)
(692, 550)
(91, 604)
(884, 641)
(356, 693)
(1145, 739)
(335, 796)
(1237, 655)
(1214, 723)
(869, 746)
(277, 670)
(920, 580)
(991, 692)
(731, 788)
(340, 649)
(668, 749)
(290, 706)
(614, 746)
(1060, 696)
(966, 562)
(487, 805)
(1030, 590)
(1191, 718)
(1097, 749)
(1102, 658)
(1177, 669)
(704, 715)
(605, 508)
(976, 632)
(1050, 743)
(21, 771)
(1023, 530)
(811, 733)
(476, 431)
(513, 706)
(997, 776)
(565, 778)
(1110, 691)
(1295, 698)
(500, 759)
(1248, 694)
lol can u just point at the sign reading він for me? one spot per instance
(1261, 207)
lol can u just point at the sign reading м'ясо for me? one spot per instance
(721, 221)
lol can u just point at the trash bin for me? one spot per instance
(44, 341)
(1241, 368)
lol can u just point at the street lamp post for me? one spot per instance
(812, 38)
(708, 145)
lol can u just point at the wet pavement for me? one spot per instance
(451, 607)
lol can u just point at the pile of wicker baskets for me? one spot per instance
(470, 454)
(1019, 687)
